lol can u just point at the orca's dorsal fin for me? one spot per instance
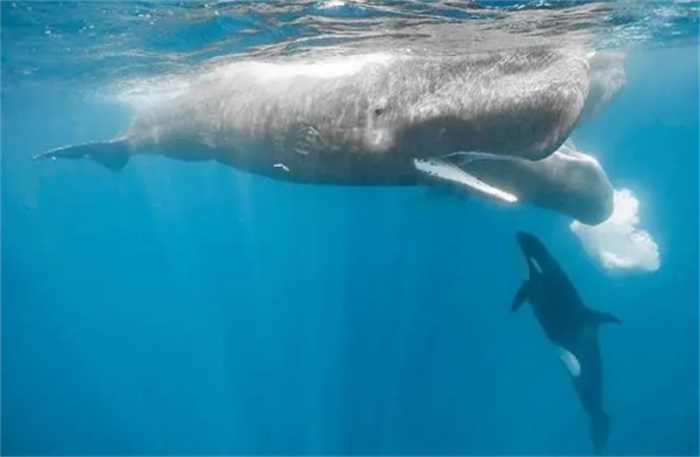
(599, 318)
(521, 295)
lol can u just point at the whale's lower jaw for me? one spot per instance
(450, 173)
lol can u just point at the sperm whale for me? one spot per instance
(371, 119)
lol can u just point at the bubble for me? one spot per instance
(618, 243)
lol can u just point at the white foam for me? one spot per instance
(618, 243)
(141, 93)
(331, 4)
(608, 77)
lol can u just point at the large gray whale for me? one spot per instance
(370, 119)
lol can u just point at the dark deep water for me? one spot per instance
(190, 309)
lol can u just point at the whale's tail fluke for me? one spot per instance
(112, 154)
(600, 430)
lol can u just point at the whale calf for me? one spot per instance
(568, 182)
(570, 325)
(375, 119)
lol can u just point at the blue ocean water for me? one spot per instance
(180, 308)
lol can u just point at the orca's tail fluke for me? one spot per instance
(112, 154)
(600, 430)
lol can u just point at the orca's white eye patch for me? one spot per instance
(536, 265)
(570, 362)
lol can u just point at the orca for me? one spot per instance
(570, 325)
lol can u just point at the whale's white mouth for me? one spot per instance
(450, 173)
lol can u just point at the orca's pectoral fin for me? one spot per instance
(521, 296)
(451, 174)
(604, 318)
(112, 154)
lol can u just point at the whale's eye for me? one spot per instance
(378, 111)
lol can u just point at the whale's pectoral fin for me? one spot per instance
(112, 154)
(450, 173)
(604, 318)
(521, 296)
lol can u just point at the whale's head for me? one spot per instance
(586, 192)
(571, 183)
(568, 182)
